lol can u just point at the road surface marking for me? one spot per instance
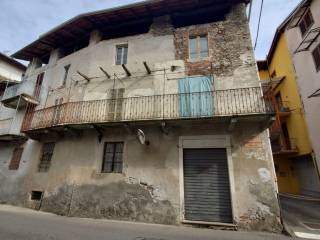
(307, 235)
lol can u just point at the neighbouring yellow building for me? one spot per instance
(289, 137)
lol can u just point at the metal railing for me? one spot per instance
(283, 145)
(25, 87)
(233, 102)
(284, 106)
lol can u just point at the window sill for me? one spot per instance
(198, 60)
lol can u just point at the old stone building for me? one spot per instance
(150, 112)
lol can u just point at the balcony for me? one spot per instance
(204, 105)
(284, 109)
(8, 131)
(21, 94)
(284, 146)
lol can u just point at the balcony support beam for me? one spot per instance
(147, 67)
(84, 76)
(74, 132)
(100, 132)
(164, 128)
(105, 72)
(126, 70)
(232, 124)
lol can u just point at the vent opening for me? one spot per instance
(36, 195)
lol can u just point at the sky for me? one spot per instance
(21, 21)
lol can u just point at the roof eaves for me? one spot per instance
(12, 61)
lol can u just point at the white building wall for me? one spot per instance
(308, 78)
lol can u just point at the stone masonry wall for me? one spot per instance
(227, 41)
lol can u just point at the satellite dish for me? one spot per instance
(142, 137)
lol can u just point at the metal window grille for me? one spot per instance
(47, 152)
(112, 158)
(16, 158)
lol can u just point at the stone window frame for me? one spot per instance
(113, 169)
(198, 43)
(121, 46)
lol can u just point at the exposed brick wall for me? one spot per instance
(227, 40)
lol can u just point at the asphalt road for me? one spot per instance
(301, 216)
(24, 224)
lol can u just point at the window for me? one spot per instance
(122, 54)
(37, 89)
(198, 47)
(16, 157)
(36, 195)
(306, 22)
(316, 57)
(112, 157)
(47, 152)
(66, 71)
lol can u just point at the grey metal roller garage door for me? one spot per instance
(206, 185)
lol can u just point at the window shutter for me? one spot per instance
(316, 57)
(16, 158)
(47, 152)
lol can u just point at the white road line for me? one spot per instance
(307, 235)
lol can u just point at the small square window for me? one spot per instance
(198, 47)
(36, 195)
(122, 54)
(316, 57)
(47, 152)
(112, 157)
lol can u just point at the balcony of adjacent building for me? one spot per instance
(9, 131)
(284, 146)
(23, 93)
(245, 103)
(283, 109)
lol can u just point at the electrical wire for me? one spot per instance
(259, 22)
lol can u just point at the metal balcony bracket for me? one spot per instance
(126, 70)
(315, 94)
(147, 67)
(100, 132)
(105, 73)
(84, 76)
(164, 128)
(72, 131)
(267, 124)
(232, 124)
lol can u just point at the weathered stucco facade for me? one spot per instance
(151, 185)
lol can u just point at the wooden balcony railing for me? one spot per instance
(232, 102)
